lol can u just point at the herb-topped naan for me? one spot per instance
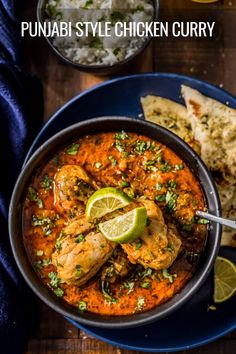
(170, 115)
(210, 128)
(214, 126)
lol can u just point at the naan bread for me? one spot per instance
(214, 126)
(226, 188)
(210, 128)
(170, 115)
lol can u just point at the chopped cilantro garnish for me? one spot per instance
(78, 270)
(152, 168)
(160, 198)
(82, 306)
(138, 245)
(179, 167)
(47, 224)
(140, 146)
(80, 238)
(58, 240)
(39, 253)
(124, 184)
(40, 203)
(166, 167)
(145, 285)
(171, 184)
(98, 164)
(121, 135)
(129, 285)
(46, 182)
(108, 297)
(202, 221)
(42, 263)
(120, 147)
(171, 200)
(159, 186)
(55, 281)
(168, 276)
(146, 273)
(126, 154)
(33, 197)
(59, 292)
(153, 147)
(73, 149)
(46, 262)
(107, 293)
(159, 157)
(150, 162)
(113, 160)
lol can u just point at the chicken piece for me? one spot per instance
(79, 257)
(159, 244)
(72, 189)
(118, 267)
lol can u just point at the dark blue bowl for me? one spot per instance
(93, 126)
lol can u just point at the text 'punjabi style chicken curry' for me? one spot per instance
(73, 257)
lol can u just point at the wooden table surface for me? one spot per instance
(212, 62)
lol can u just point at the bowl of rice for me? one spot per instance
(100, 36)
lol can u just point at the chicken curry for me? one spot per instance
(76, 261)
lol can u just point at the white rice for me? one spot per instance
(104, 50)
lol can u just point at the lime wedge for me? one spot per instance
(224, 279)
(105, 201)
(125, 228)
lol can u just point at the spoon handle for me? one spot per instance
(210, 217)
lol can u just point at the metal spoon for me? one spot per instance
(222, 221)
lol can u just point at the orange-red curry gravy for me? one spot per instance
(141, 167)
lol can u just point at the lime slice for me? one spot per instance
(105, 201)
(224, 279)
(125, 228)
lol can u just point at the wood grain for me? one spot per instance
(90, 346)
(212, 63)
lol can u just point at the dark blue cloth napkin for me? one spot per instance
(20, 111)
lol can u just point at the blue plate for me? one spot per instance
(192, 325)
